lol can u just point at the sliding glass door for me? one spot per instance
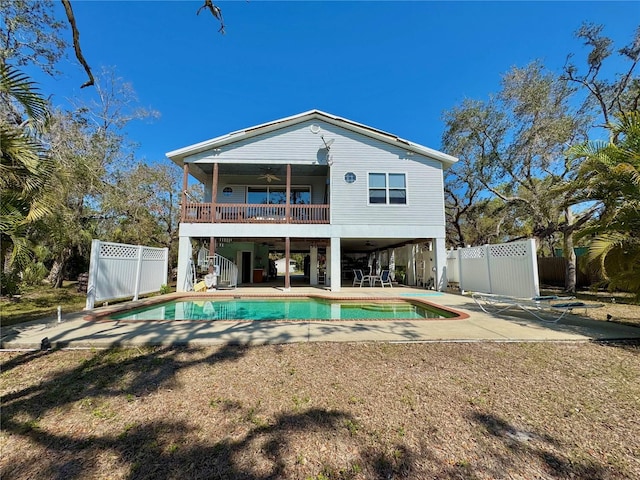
(277, 195)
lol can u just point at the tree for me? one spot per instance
(89, 149)
(512, 148)
(31, 35)
(610, 97)
(610, 174)
(24, 165)
(82, 146)
(141, 206)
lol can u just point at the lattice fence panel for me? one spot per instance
(472, 252)
(504, 269)
(118, 250)
(473, 269)
(508, 250)
(120, 271)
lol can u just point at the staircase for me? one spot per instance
(226, 269)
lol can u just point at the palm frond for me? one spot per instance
(18, 86)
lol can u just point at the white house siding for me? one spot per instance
(351, 152)
(361, 155)
(291, 144)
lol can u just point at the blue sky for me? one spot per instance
(395, 66)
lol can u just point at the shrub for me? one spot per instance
(34, 274)
(9, 283)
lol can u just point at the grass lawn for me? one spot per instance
(41, 301)
(324, 411)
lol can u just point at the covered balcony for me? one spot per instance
(252, 213)
(257, 193)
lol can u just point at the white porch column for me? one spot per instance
(185, 254)
(336, 267)
(440, 258)
(313, 265)
(411, 263)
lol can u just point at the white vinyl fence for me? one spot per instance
(503, 269)
(120, 271)
(453, 269)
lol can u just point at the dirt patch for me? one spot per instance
(324, 411)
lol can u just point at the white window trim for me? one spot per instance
(387, 204)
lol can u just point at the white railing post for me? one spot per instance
(166, 266)
(136, 287)
(487, 254)
(93, 274)
(461, 278)
(534, 266)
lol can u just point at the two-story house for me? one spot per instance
(313, 183)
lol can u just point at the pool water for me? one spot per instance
(283, 309)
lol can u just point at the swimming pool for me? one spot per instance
(284, 309)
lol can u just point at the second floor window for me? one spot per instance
(388, 188)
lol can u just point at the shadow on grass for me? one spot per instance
(546, 449)
(162, 448)
(23, 358)
(256, 449)
(631, 345)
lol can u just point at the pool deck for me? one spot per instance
(75, 331)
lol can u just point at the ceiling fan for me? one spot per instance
(269, 175)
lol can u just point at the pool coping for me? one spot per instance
(71, 330)
(102, 314)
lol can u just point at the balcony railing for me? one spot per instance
(250, 213)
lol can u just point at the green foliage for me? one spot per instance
(9, 283)
(34, 274)
(142, 205)
(610, 174)
(23, 90)
(39, 302)
(164, 289)
(30, 34)
(515, 178)
(511, 156)
(25, 169)
(100, 192)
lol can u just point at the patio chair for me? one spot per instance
(210, 280)
(384, 279)
(541, 307)
(359, 278)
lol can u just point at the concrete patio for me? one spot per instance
(74, 331)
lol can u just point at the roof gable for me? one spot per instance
(179, 155)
